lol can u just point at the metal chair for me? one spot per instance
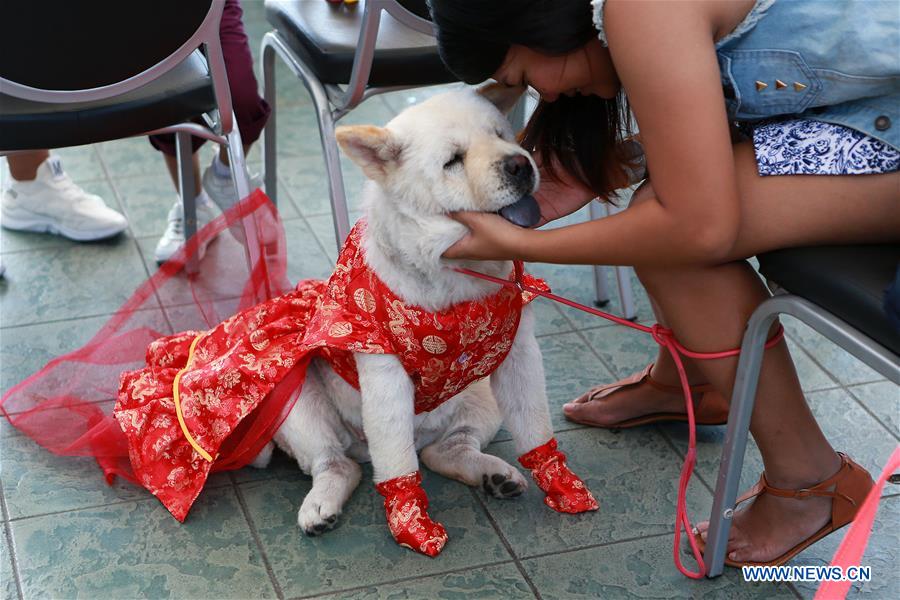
(836, 290)
(332, 45)
(110, 71)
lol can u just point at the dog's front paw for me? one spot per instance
(508, 484)
(317, 515)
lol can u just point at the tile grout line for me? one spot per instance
(97, 316)
(841, 385)
(403, 580)
(790, 586)
(598, 545)
(18, 433)
(253, 532)
(505, 543)
(7, 531)
(63, 320)
(569, 323)
(99, 506)
(681, 456)
(593, 350)
(838, 383)
(869, 412)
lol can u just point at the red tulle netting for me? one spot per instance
(66, 407)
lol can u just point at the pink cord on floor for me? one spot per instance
(665, 338)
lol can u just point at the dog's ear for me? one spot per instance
(504, 97)
(374, 149)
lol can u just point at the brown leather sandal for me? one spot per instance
(851, 486)
(710, 408)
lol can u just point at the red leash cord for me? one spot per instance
(665, 338)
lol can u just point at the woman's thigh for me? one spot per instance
(781, 211)
(807, 210)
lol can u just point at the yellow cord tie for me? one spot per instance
(177, 397)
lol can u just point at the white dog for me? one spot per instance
(453, 152)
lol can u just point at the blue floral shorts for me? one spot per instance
(808, 147)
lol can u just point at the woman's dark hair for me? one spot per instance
(582, 134)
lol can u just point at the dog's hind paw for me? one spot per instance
(504, 485)
(316, 518)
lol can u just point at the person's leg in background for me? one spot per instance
(250, 109)
(41, 197)
(251, 112)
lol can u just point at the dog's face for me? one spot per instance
(454, 152)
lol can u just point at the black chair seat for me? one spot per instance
(324, 35)
(180, 95)
(847, 281)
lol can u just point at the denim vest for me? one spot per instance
(830, 60)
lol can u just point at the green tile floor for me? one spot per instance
(66, 534)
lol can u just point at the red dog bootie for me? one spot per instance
(405, 505)
(565, 490)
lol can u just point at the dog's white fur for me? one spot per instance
(413, 184)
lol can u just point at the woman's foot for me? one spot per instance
(768, 528)
(642, 399)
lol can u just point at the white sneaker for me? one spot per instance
(173, 238)
(53, 203)
(221, 189)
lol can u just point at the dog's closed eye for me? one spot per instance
(456, 160)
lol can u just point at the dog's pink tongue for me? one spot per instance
(405, 505)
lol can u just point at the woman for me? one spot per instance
(816, 87)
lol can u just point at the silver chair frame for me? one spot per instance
(220, 128)
(324, 96)
(743, 397)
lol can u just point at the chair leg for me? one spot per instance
(598, 210)
(238, 162)
(339, 210)
(270, 150)
(601, 287)
(626, 293)
(186, 182)
(742, 401)
(272, 42)
(247, 232)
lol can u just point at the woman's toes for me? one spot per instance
(702, 529)
(740, 552)
(585, 411)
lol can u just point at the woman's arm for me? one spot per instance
(665, 58)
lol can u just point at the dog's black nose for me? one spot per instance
(517, 166)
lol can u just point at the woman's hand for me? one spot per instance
(559, 195)
(490, 237)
